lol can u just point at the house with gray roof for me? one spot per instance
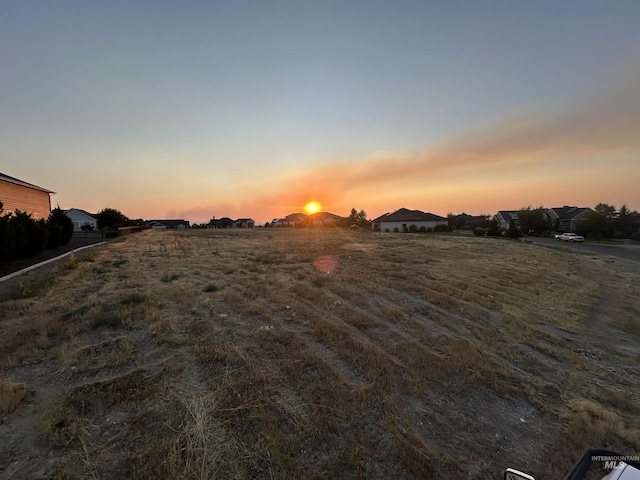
(168, 224)
(82, 220)
(244, 223)
(322, 219)
(504, 218)
(565, 219)
(403, 218)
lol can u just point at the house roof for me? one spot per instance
(84, 212)
(169, 223)
(15, 181)
(323, 217)
(508, 215)
(406, 215)
(294, 217)
(567, 213)
(245, 220)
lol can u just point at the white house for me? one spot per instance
(164, 224)
(244, 223)
(292, 220)
(80, 219)
(403, 219)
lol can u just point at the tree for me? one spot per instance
(8, 237)
(58, 217)
(493, 230)
(595, 225)
(606, 210)
(32, 235)
(110, 219)
(533, 221)
(358, 218)
(513, 231)
(624, 223)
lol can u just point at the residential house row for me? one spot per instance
(35, 200)
(318, 219)
(563, 219)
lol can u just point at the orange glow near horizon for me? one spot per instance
(312, 207)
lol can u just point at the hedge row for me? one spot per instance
(21, 236)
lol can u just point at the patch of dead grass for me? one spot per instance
(258, 366)
(12, 394)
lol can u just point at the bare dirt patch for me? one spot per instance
(318, 354)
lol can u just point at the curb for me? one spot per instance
(33, 267)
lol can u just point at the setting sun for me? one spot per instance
(312, 207)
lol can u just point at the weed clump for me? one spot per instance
(11, 395)
(169, 277)
(34, 286)
(133, 298)
(72, 263)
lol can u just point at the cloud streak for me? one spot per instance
(606, 125)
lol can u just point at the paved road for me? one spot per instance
(627, 252)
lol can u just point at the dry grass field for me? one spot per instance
(309, 354)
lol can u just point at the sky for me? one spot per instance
(200, 109)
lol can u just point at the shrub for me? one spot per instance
(395, 230)
(34, 286)
(635, 237)
(386, 230)
(55, 235)
(441, 228)
(514, 231)
(58, 217)
(8, 239)
(133, 298)
(34, 234)
(72, 263)
(479, 232)
(493, 230)
(111, 233)
(413, 228)
(422, 229)
(429, 229)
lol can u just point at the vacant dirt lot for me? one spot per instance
(317, 354)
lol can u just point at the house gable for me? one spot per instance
(566, 218)
(504, 218)
(19, 195)
(81, 218)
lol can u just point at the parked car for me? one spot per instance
(570, 237)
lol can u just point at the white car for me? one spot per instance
(570, 237)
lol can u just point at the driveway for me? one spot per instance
(627, 252)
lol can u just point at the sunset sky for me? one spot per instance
(195, 109)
